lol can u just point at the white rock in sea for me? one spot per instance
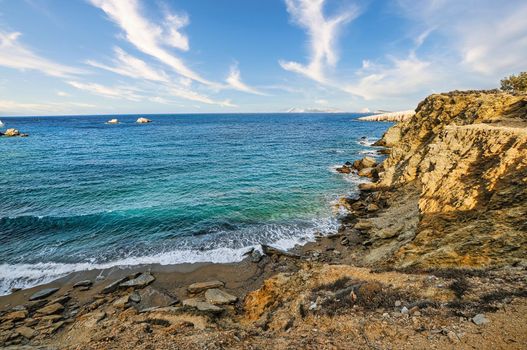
(143, 120)
(1, 124)
(113, 121)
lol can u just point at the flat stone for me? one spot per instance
(43, 293)
(114, 285)
(201, 286)
(202, 306)
(15, 315)
(218, 297)
(85, 283)
(150, 297)
(480, 319)
(26, 332)
(61, 300)
(122, 302)
(51, 309)
(143, 280)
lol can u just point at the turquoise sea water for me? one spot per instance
(80, 194)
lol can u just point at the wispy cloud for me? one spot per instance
(117, 92)
(15, 107)
(15, 55)
(127, 65)
(149, 37)
(234, 81)
(322, 32)
(492, 40)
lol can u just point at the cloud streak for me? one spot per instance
(148, 37)
(322, 32)
(235, 82)
(15, 55)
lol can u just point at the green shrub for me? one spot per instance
(515, 83)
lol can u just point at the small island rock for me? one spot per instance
(143, 120)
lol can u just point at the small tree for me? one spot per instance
(515, 83)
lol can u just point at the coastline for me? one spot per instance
(399, 273)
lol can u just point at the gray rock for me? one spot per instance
(41, 294)
(480, 319)
(152, 298)
(142, 280)
(218, 297)
(268, 250)
(201, 286)
(202, 306)
(256, 256)
(135, 297)
(404, 310)
(85, 283)
(114, 285)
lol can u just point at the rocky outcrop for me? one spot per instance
(401, 116)
(13, 133)
(113, 121)
(457, 172)
(143, 120)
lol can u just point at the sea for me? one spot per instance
(80, 194)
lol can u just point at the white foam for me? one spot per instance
(29, 275)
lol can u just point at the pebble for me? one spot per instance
(404, 310)
(398, 303)
(480, 319)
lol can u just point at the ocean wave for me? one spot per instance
(24, 275)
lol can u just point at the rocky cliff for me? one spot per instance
(454, 184)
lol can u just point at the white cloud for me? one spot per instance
(400, 77)
(118, 92)
(133, 67)
(149, 37)
(322, 32)
(62, 94)
(14, 107)
(321, 102)
(492, 40)
(234, 81)
(194, 96)
(15, 55)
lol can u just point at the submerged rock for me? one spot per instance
(201, 286)
(43, 293)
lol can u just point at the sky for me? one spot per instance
(61, 57)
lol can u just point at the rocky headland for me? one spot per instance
(431, 254)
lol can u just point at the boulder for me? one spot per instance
(114, 285)
(85, 283)
(143, 120)
(367, 187)
(367, 172)
(363, 225)
(142, 280)
(372, 207)
(366, 162)
(218, 297)
(201, 286)
(152, 298)
(15, 315)
(26, 332)
(122, 302)
(51, 309)
(43, 293)
(113, 121)
(202, 306)
(11, 132)
(268, 250)
(345, 169)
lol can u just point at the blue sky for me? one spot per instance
(198, 56)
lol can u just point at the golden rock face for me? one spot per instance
(465, 153)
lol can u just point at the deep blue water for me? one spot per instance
(78, 193)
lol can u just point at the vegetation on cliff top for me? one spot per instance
(515, 83)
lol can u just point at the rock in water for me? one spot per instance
(268, 250)
(201, 286)
(143, 120)
(218, 297)
(43, 293)
(141, 281)
(113, 121)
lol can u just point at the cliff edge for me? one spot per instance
(454, 186)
